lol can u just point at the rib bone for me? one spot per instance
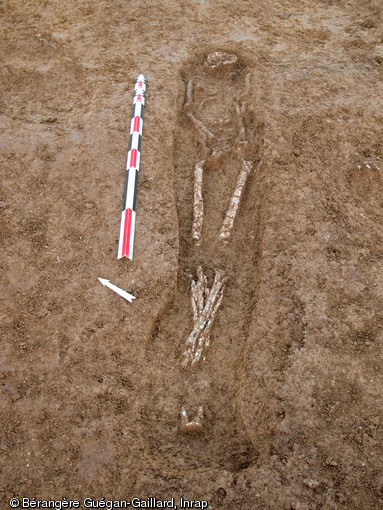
(206, 135)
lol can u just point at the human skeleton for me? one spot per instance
(205, 302)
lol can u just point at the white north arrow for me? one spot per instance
(122, 293)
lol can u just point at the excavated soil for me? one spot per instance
(92, 387)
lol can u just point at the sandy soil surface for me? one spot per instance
(289, 389)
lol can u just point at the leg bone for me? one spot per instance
(235, 200)
(198, 202)
(199, 338)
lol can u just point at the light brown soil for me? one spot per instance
(291, 384)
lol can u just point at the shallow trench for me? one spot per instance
(213, 383)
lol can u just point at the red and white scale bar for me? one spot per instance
(128, 216)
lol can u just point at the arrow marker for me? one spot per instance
(122, 293)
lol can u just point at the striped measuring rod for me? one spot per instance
(128, 216)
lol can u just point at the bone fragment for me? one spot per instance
(199, 292)
(240, 125)
(245, 92)
(192, 427)
(220, 58)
